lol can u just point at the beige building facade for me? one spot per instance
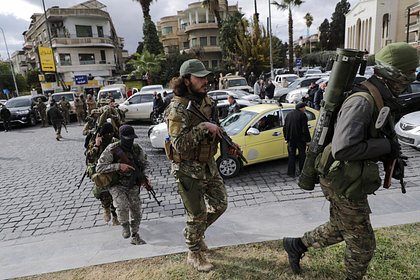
(194, 30)
(372, 24)
(84, 43)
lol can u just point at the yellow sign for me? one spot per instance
(47, 59)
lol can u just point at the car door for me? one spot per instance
(269, 143)
(132, 105)
(311, 120)
(410, 99)
(145, 106)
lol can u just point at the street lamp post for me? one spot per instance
(10, 62)
(271, 46)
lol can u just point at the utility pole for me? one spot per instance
(11, 64)
(271, 45)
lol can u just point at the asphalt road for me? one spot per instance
(38, 178)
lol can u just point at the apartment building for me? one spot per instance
(19, 62)
(372, 24)
(86, 48)
(194, 30)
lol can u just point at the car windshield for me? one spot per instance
(15, 103)
(237, 82)
(68, 96)
(235, 123)
(295, 83)
(116, 94)
(290, 79)
(240, 93)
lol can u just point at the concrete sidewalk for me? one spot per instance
(80, 248)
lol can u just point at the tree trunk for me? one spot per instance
(290, 41)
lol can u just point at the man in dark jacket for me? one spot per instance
(5, 116)
(269, 89)
(56, 118)
(296, 134)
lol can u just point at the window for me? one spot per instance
(144, 98)
(86, 58)
(167, 30)
(213, 41)
(214, 63)
(83, 31)
(186, 45)
(103, 57)
(100, 31)
(268, 121)
(193, 42)
(65, 59)
(206, 63)
(203, 41)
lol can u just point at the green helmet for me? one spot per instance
(397, 63)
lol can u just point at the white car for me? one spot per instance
(152, 88)
(408, 130)
(222, 94)
(139, 106)
(158, 133)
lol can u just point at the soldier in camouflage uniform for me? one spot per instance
(95, 148)
(80, 111)
(64, 105)
(125, 192)
(42, 110)
(355, 140)
(192, 147)
(110, 111)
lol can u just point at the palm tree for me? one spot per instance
(287, 5)
(146, 63)
(309, 19)
(214, 7)
(145, 6)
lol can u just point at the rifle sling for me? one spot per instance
(375, 94)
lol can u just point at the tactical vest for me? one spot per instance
(205, 150)
(352, 179)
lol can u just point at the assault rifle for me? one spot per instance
(80, 182)
(136, 178)
(226, 142)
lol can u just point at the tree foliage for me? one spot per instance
(338, 25)
(170, 66)
(288, 5)
(324, 30)
(6, 79)
(214, 8)
(146, 63)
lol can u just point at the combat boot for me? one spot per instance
(107, 214)
(198, 260)
(203, 246)
(126, 230)
(136, 240)
(295, 250)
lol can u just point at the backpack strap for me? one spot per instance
(375, 93)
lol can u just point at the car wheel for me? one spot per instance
(32, 120)
(229, 166)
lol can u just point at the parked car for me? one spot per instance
(116, 91)
(158, 133)
(280, 93)
(408, 130)
(157, 88)
(410, 99)
(22, 111)
(70, 97)
(222, 94)
(235, 82)
(313, 72)
(279, 80)
(3, 101)
(139, 106)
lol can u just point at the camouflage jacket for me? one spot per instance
(108, 163)
(64, 105)
(188, 134)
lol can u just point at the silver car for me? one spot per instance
(408, 130)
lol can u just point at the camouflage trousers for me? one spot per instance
(128, 205)
(204, 201)
(349, 221)
(57, 127)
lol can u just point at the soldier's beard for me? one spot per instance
(196, 95)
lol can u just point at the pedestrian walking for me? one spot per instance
(191, 147)
(126, 191)
(56, 118)
(269, 89)
(5, 116)
(64, 105)
(233, 106)
(79, 107)
(42, 111)
(296, 134)
(356, 146)
(319, 95)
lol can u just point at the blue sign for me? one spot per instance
(299, 62)
(6, 91)
(81, 80)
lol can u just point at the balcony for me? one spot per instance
(60, 13)
(198, 26)
(82, 42)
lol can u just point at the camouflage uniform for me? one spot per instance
(126, 198)
(199, 183)
(64, 105)
(80, 112)
(109, 112)
(90, 103)
(42, 110)
(93, 153)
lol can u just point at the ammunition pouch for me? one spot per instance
(203, 153)
(103, 180)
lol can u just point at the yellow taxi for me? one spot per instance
(258, 130)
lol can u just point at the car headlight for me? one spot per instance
(155, 132)
(22, 112)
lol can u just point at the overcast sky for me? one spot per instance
(128, 18)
